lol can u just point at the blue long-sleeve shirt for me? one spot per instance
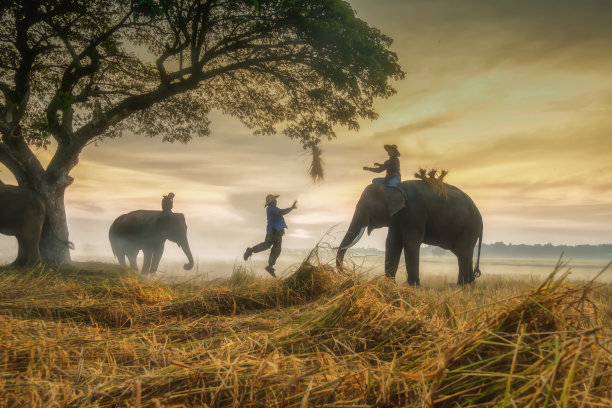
(276, 221)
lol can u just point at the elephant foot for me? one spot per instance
(414, 284)
(471, 282)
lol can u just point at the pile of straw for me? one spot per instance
(310, 339)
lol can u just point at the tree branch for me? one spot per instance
(13, 165)
(16, 147)
(72, 75)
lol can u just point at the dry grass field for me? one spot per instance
(94, 335)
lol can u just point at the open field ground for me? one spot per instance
(94, 335)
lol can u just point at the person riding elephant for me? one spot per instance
(148, 231)
(393, 176)
(167, 203)
(23, 214)
(450, 221)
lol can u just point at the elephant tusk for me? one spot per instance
(357, 238)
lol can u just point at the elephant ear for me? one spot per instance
(395, 200)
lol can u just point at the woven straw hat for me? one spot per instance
(392, 148)
(270, 198)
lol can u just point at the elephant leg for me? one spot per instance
(157, 254)
(411, 254)
(146, 262)
(121, 258)
(465, 268)
(131, 256)
(28, 241)
(464, 250)
(28, 253)
(393, 251)
(33, 253)
(21, 253)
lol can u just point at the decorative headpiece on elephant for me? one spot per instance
(452, 222)
(148, 231)
(23, 214)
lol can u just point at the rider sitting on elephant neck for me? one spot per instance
(167, 203)
(392, 166)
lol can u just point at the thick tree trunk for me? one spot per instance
(54, 241)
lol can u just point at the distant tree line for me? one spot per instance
(503, 250)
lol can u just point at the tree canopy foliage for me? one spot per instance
(80, 70)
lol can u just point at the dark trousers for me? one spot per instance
(274, 240)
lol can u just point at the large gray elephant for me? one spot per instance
(418, 216)
(148, 231)
(23, 215)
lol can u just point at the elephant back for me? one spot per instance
(15, 202)
(134, 222)
(420, 188)
(141, 222)
(455, 204)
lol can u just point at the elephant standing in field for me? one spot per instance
(23, 215)
(415, 214)
(148, 231)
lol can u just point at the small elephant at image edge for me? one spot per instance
(23, 214)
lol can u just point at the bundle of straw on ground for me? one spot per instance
(103, 337)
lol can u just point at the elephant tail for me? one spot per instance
(47, 225)
(477, 268)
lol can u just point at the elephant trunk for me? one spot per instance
(185, 246)
(353, 235)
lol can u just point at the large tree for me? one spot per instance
(73, 72)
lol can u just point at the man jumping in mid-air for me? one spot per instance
(274, 232)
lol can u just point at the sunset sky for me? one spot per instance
(514, 98)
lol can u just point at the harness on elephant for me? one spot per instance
(395, 198)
